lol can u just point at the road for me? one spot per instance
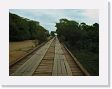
(52, 59)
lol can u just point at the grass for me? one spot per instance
(89, 60)
(18, 49)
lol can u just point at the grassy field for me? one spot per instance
(18, 49)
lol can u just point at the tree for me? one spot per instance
(24, 29)
(53, 33)
(81, 36)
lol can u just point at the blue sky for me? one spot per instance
(49, 17)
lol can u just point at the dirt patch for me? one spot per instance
(18, 49)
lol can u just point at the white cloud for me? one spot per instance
(92, 14)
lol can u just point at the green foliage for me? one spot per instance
(80, 37)
(24, 29)
(53, 33)
(42, 35)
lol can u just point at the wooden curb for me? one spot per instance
(78, 63)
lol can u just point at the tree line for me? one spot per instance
(25, 29)
(80, 36)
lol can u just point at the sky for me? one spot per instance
(49, 17)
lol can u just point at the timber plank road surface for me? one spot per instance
(52, 59)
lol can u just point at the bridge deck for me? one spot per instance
(52, 59)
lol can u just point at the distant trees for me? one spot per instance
(80, 36)
(24, 29)
(52, 33)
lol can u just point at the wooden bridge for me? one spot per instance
(51, 59)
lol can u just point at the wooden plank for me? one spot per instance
(64, 72)
(78, 63)
(60, 61)
(29, 66)
(59, 67)
(55, 73)
(55, 66)
(69, 72)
